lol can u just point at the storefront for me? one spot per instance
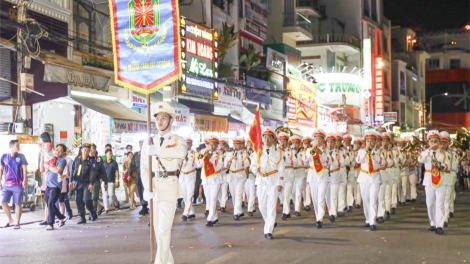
(302, 108)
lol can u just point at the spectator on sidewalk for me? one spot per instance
(101, 182)
(134, 168)
(13, 166)
(54, 185)
(64, 203)
(126, 161)
(112, 173)
(106, 147)
(131, 178)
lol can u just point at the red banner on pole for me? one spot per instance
(255, 135)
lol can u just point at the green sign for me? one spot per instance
(199, 68)
(340, 87)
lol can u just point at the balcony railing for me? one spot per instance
(296, 19)
(332, 38)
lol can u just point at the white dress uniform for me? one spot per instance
(211, 181)
(307, 191)
(270, 175)
(385, 189)
(435, 191)
(188, 181)
(396, 187)
(369, 179)
(223, 194)
(404, 176)
(344, 182)
(170, 150)
(299, 177)
(350, 175)
(250, 187)
(337, 162)
(318, 181)
(237, 177)
(450, 176)
(290, 162)
(356, 169)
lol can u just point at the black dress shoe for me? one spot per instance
(297, 214)
(408, 200)
(275, 224)
(206, 212)
(209, 224)
(222, 209)
(380, 220)
(94, 217)
(451, 214)
(216, 221)
(307, 208)
(191, 216)
(236, 217)
(268, 236)
(432, 228)
(184, 218)
(349, 209)
(387, 215)
(446, 224)
(81, 221)
(340, 214)
(413, 200)
(439, 231)
(284, 217)
(288, 215)
(242, 214)
(89, 217)
(393, 210)
(357, 206)
(318, 224)
(403, 204)
(332, 218)
(367, 225)
(373, 227)
(250, 213)
(254, 211)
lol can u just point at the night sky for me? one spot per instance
(431, 15)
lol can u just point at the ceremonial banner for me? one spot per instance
(255, 136)
(146, 43)
(317, 164)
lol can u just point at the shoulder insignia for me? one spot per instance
(98, 159)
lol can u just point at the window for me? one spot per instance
(82, 25)
(433, 63)
(455, 63)
(402, 114)
(402, 83)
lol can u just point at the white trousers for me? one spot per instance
(390, 184)
(404, 187)
(318, 198)
(435, 203)
(307, 193)
(357, 193)
(395, 184)
(350, 188)
(188, 194)
(413, 192)
(447, 201)
(369, 192)
(211, 191)
(288, 187)
(104, 194)
(381, 200)
(452, 196)
(342, 192)
(223, 195)
(250, 190)
(267, 203)
(299, 186)
(331, 197)
(164, 212)
(236, 189)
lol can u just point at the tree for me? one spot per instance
(228, 39)
(250, 59)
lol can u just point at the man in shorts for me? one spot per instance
(13, 165)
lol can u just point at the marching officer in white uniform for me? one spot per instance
(404, 172)
(167, 152)
(357, 170)
(223, 194)
(335, 179)
(435, 162)
(318, 174)
(299, 174)
(290, 162)
(450, 174)
(187, 180)
(250, 187)
(369, 178)
(269, 180)
(344, 175)
(306, 194)
(398, 158)
(237, 175)
(387, 175)
(351, 178)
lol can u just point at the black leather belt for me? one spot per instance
(169, 173)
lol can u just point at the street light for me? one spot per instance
(430, 106)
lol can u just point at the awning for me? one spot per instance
(249, 113)
(124, 118)
(61, 70)
(210, 122)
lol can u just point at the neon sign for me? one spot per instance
(199, 32)
(199, 68)
(200, 83)
(199, 49)
(379, 98)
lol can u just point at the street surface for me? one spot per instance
(123, 237)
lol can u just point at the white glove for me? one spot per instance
(148, 195)
(152, 150)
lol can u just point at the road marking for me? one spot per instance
(224, 258)
(281, 232)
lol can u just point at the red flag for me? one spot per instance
(255, 136)
(209, 169)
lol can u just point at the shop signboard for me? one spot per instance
(367, 67)
(397, 131)
(256, 15)
(138, 102)
(63, 136)
(342, 127)
(77, 130)
(210, 123)
(275, 60)
(235, 127)
(198, 87)
(379, 90)
(105, 133)
(332, 86)
(301, 115)
(272, 123)
(6, 114)
(55, 73)
(230, 98)
(27, 139)
(182, 117)
(127, 126)
(303, 91)
(257, 94)
(390, 116)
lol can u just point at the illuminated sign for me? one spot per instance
(199, 49)
(379, 90)
(367, 58)
(396, 130)
(198, 32)
(342, 127)
(199, 68)
(200, 83)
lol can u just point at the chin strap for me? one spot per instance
(168, 124)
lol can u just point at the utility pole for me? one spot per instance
(20, 56)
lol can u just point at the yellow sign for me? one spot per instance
(303, 91)
(27, 139)
(210, 123)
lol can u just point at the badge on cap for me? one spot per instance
(160, 106)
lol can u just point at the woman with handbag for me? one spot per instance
(125, 178)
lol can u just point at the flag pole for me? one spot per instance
(152, 233)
